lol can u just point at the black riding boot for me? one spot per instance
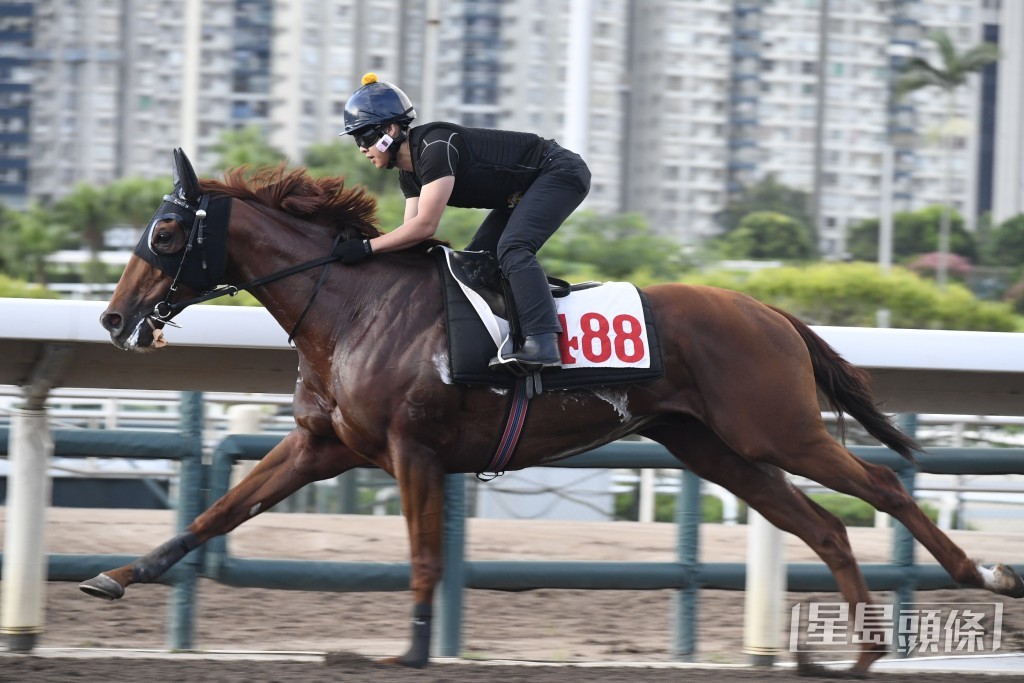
(538, 320)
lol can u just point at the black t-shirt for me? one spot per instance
(492, 168)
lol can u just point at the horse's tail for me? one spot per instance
(848, 389)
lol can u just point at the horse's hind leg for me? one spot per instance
(830, 464)
(298, 460)
(765, 488)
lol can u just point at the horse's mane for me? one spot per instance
(324, 201)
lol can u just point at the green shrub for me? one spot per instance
(851, 294)
(627, 507)
(19, 289)
(852, 511)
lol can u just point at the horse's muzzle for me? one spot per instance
(113, 322)
(138, 337)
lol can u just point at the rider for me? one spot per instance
(530, 184)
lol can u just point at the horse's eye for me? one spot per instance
(164, 236)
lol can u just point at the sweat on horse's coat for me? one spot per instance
(738, 401)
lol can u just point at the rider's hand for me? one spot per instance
(354, 250)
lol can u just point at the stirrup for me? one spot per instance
(533, 384)
(543, 356)
(530, 374)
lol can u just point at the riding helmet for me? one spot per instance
(375, 103)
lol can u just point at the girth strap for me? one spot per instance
(515, 420)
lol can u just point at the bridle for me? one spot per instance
(210, 242)
(165, 310)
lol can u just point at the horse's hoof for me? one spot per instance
(1010, 582)
(102, 586)
(406, 661)
(808, 669)
(1002, 579)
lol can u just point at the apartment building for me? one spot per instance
(500, 63)
(679, 104)
(737, 90)
(1008, 166)
(15, 101)
(319, 53)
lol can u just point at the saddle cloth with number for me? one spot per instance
(608, 335)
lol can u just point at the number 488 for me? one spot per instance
(599, 339)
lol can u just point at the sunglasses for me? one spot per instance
(365, 138)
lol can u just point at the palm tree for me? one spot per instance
(87, 214)
(26, 239)
(949, 76)
(134, 199)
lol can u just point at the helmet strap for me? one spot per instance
(398, 140)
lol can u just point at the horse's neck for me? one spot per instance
(351, 298)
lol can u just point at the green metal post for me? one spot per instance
(903, 540)
(181, 616)
(348, 492)
(688, 514)
(453, 581)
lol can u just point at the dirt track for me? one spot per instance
(348, 667)
(546, 625)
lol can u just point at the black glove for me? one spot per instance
(354, 251)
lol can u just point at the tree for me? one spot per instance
(1006, 246)
(948, 76)
(1015, 297)
(616, 247)
(913, 233)
(925, 265)
(769, 235)
(458, 225)
(135, 199)
(336, 158)
(767, 195)
(246, 147)
(27, 239)
(8, 230)
(87, 213)
(18, 289)
(850, 294)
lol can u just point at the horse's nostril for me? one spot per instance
(112, 322)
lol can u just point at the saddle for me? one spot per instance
(480, 313)
(479, 270)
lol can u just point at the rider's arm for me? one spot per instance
(412, 205)
(422, 216)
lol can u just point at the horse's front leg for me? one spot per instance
(421, 483)
(299, 459)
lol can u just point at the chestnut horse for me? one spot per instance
(737, 403)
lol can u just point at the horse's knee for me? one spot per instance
(834, 544)
(831, 537)
(889, 495)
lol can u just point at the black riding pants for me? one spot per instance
(516, 234)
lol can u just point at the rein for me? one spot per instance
(165, 310)
(232, 290)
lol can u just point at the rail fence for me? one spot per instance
(201, 484)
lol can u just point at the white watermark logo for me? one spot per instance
(918, 627)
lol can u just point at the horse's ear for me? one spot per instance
(185, 180)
